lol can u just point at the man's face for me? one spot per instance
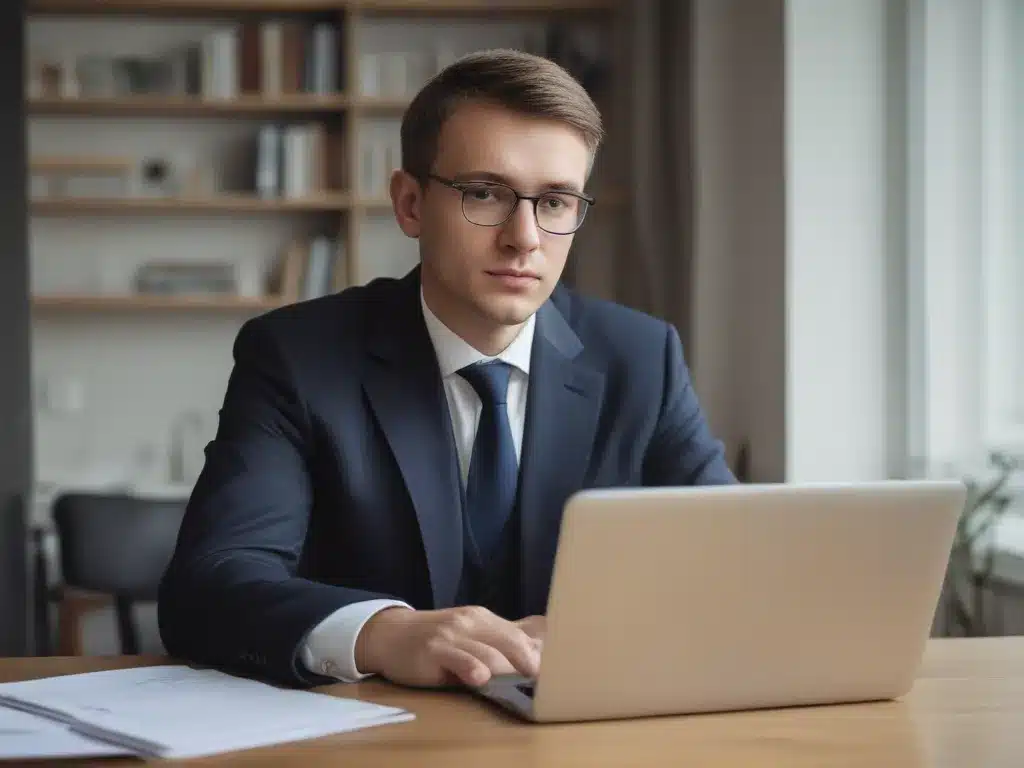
(492, 275)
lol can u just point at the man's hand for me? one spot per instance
(535, 626)
(456, 645)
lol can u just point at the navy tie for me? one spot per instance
(493, 468)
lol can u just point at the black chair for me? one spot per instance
(118, 545)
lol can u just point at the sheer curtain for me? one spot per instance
(966, 269)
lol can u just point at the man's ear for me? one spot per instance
(407, 202)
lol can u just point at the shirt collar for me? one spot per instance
(453, 353)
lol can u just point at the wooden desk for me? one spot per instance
(967, 709)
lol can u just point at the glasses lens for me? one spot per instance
(487, 204)
(560, 214)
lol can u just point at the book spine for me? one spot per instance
(271, 44)
(268, 153)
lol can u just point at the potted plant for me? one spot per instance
(967, 589)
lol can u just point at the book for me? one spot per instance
(178, 711)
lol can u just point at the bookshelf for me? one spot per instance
(141, 360)
(345, 112)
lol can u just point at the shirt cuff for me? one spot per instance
(330, 649)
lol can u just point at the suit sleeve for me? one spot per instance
(682, 450)
(230, 596)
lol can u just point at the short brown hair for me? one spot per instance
(518, 81)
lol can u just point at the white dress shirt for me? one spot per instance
(330, 648)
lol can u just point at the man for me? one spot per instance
(385, 490)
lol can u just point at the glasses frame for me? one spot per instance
(461, 187)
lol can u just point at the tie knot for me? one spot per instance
(490, 380)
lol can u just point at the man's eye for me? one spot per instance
(560, 203)
(480, 193)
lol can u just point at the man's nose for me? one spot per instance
(521, 231)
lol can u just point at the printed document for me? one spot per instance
(30, 737)
(176, 711)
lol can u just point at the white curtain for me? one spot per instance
(965, 276)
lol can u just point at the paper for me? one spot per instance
(29, 737)
(176, 711)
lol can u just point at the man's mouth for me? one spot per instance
(523, 274)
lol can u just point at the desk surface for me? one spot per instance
(967, 709)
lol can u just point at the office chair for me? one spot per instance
(118, 545)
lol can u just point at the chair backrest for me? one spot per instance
(116, 544)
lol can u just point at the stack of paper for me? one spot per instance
(169, 711)
(31, 737)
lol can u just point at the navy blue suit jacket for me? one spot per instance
(333, 476)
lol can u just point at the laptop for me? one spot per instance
(710, 599)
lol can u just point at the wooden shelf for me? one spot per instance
(198, 7)
(170, 106)
(219, 7)
(299, 103)
(86, 303)
(374, 206)
(214, 205)
(381, 104)
(477, 7)
(72, 164)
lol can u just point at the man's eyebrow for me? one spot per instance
(559, 186)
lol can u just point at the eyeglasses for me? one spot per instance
(490, 204)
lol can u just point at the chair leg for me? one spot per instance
(126, 626)
(71, 609)
(41, 593)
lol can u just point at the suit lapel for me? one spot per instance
(563, 405)
(405, 390)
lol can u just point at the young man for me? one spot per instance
(385, 489)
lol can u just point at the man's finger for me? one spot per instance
(512, 643)
(469, 669)
(534, 626)
(492, 657)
